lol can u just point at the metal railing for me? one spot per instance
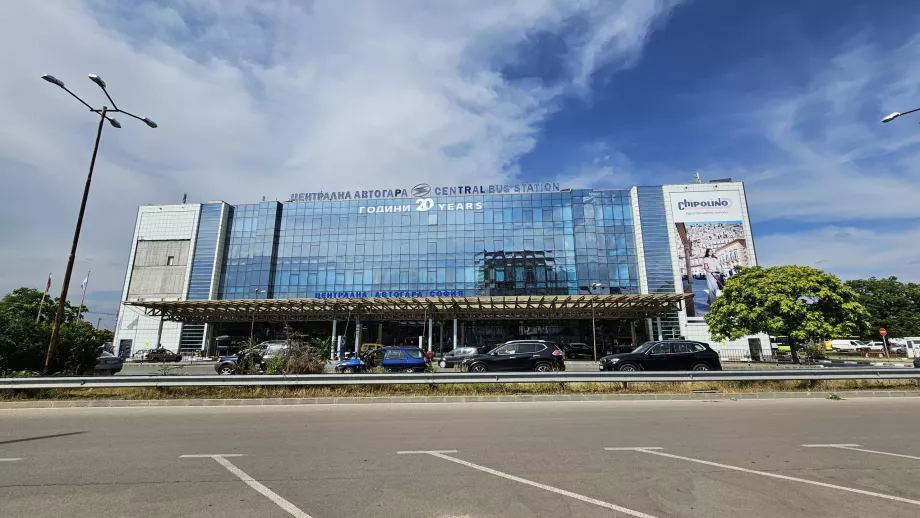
(443, 378)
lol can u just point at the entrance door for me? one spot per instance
(124, 349)
(754, 346)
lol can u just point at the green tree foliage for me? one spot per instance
(891, 304)
(803, 303)
(24, 342)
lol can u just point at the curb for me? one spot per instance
(706, 397)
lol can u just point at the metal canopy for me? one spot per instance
(412, 309)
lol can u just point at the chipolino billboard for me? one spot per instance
(711, 241)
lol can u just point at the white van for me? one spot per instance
(912, 343)
(850, 346)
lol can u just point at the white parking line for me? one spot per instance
(251, 482)
(11, 459)
(440, 454)
(855, 447)
(772, 475)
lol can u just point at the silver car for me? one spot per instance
(108, 363)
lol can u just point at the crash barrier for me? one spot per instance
(448, 378)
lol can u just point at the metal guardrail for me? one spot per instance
(453, 378)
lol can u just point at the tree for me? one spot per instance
(24, 303)
(24, 342)
(803, 303)
(891, 304)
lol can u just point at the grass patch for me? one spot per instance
(479, 389)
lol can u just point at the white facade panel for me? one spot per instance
(155, 223)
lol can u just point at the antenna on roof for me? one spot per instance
(696, 177)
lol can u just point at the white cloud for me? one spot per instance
(850, 253)
(834, 159)
(268, 97)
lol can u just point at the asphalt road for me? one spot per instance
(718, 459)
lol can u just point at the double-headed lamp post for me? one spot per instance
(594, 286)
(104, 115)
(892, 116)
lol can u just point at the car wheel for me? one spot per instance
(408, 369)
(701, 367)
(348, 370)
(478, 367)
(628, 367)
(543, 367)
(225, 369)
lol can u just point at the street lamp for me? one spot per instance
(252, 328)
(103, 116)
(892, 116)
(594, 286)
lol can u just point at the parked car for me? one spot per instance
(227, 364)
(917, 362)
(578, 350)
(162, 354)
(876, 347)
(405, 359)
(667, 355)
(540, 356)
(849, 346)
(897, 347)
(455, 357)
(108, 363)
(368, 347)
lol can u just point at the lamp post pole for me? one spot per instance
(55, 330)
(252, 328)
(593, 329)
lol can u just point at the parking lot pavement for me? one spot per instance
(757, 458)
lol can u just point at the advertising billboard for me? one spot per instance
(711, 242)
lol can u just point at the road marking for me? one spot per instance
(855, 447)
(211, 455)
(411, 452)
(601, 503)
(776, 475)
(253, 483)
(12, 459)
(827, 445)
(636, 448)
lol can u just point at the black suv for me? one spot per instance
(540, 356)
(578, 350)
(667, 355)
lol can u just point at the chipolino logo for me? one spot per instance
(718, 203)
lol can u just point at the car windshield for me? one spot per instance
(644, 347)
(862, 342)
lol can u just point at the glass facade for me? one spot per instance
(199, 286)
(469, 245)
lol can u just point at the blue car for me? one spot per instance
(392, 359)
(917, 362)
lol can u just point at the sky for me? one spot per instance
(268, 97)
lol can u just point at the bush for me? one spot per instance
(248, 361)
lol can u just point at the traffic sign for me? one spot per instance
(883, 331)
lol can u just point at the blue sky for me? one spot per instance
(264, 98)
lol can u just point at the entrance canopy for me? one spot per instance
(414, 309)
